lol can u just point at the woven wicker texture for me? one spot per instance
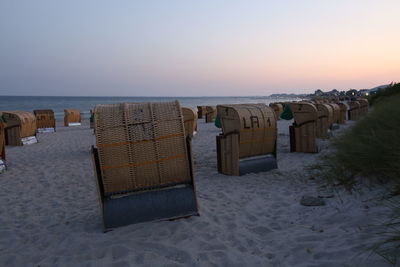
(45, 118)
(278, 109)
(211, 113)
(343, 112)
(71, 116)
(141, 145)
(325, 120)
(26, 120)
(354, 110)
(336, 112)
(256, 124)
(189, 120)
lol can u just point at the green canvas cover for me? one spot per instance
(218, 122)
(287, 113)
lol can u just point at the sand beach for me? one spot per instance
(50, 215)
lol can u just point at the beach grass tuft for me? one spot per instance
(371, 150)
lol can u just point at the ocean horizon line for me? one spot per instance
(239, 96)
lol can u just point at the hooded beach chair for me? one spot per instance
(335, 112)
(189, 121)
(278, 109)
(143, 163)
(248, 139)
(201, 111)
(343, 112)
(2, 147)
(45, 120)
(325, 120)
(72, 117)
(211, 114)
(303, 132)
(354, 110)
(364, 104)
(20, 128)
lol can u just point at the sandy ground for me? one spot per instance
(50, 216)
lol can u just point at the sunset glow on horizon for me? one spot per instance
(205, 48)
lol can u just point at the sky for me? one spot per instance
(196, 48)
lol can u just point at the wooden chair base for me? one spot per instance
(230, 164)
(152, 204)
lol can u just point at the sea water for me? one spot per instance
(84, 104)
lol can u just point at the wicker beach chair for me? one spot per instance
(211, 114)
(143, 163)
(2, 141)
(303, 132)
(335, 112)
(325, 120)
(364, 105)
(278, 109)
(45, 120)
(2, 147)
(72, 117)
(354, 110)
(248, 139)
(343, 112)
(201, 111)
(91, 119)
(189, 121)
(20, 128)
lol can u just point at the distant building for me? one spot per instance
(319, 93)
(352, 92)
(363, 92)
(333, 92)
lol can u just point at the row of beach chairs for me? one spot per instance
(19, 128)
(143, 159)
(314, 119)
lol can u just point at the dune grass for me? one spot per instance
(382, 95)
(371, 150)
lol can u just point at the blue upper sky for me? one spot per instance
(196, 48)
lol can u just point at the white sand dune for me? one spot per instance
(50, 216)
